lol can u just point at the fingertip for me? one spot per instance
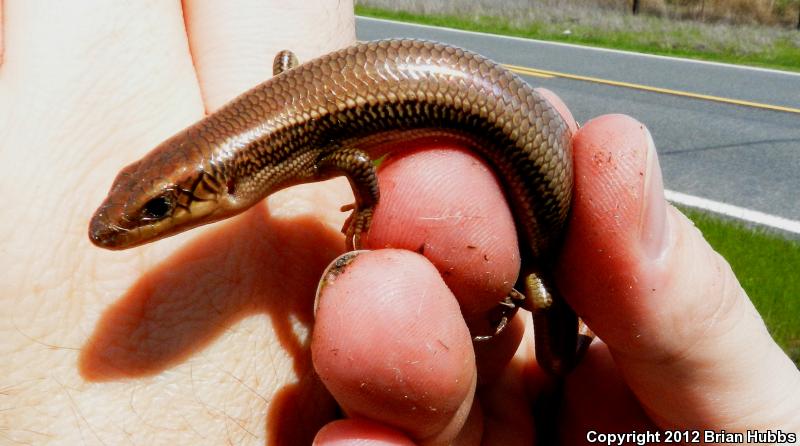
(596, 397)
(494, 355)
(602, 246)
(233, 43)
(361, 432)
(446, 203)
(685, 336)
(560, 107)
(390, 344)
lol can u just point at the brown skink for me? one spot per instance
(332, 116)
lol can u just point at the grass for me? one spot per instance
(768, 267)
(766, 264)
(742, 44)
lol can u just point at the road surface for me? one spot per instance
(737, 144)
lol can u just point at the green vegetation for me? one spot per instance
(767, 264)
(751, 45)
(768, 267)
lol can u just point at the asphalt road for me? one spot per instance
(735, 154)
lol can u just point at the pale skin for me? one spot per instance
(206, 338)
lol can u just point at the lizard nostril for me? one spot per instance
(101, 233)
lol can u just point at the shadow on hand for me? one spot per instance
(251, 264)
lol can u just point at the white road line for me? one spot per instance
(737, 212)
(591, 48)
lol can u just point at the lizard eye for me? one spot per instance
(157, 208)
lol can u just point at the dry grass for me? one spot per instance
(782, 13)
(764, 12)
(610, 23)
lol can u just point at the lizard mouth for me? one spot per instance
(104, 233)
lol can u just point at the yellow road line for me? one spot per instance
(528, 71)
(547, 74)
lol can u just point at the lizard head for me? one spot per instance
(166, 192)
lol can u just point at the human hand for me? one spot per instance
(168, 341)
(197, 339)
(683, 348)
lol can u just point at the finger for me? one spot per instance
(506, 398)
(560, 107)
(87, 87)
(361, 432)
(102, 67)
(596, 398)
(447, 204)
(233, 42)
(438, 203)
(2, 44)
(683, 332)
(390, 345)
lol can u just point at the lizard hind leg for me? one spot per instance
(502, 314)
(359, 169)
(285, 60)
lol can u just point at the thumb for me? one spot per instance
(681, 329)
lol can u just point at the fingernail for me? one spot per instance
(334, 270)
(653, 225)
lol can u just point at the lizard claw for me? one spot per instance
(356, 224)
